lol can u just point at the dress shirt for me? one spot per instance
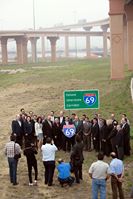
(52, 119)
(99, 170)
(61, 120)
(116, 167)
(50, 124)
(19, 123)
(48, 152)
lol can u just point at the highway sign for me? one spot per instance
(81, 99)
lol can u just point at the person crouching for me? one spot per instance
(64, 175)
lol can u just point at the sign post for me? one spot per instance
(81, 99)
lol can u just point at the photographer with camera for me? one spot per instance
(48, 158)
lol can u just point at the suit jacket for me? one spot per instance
(57, 131)
(77, 153)
(62, 123)
(47, 129)
(119, 138)
(79, 127)
(104, 133)
(87, 128)
(16, 128)
(126, 130)
(95, 131)
(28, 128)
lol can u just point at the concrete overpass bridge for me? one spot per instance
(121, 38)
(23, 36)
(81, 24)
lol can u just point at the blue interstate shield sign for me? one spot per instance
(90, 98)
(69, 130)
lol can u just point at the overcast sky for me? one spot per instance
(18, 14)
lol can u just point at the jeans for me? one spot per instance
(98, 185)
(13, 170)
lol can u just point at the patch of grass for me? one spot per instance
(76, 74)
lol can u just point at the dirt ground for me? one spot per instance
(11, 101)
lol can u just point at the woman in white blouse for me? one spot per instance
(39, 132)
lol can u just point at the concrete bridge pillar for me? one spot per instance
(88, 47)
(25, 51)
(43, 47)
(19, 50)
(4, 50)
(129, 17)
(117, 38)
(66, 46)
(53, 47)
(33, 41)
(88, 43)
(105, 47)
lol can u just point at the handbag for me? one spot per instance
(16, 155)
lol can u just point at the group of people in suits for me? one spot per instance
(31, 132)
(98, 134)
(35, 133)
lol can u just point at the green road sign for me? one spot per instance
(81, 99)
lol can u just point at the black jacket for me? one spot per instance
(77, 153)
(16, 128)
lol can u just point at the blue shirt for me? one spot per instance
(64, 170)
(116, 167)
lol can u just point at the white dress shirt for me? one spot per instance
(48, 152)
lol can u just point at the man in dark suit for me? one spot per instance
(126, 136)
(95, 134)
(57, 133)
(47, 129)
(17, 129)
(52, 116)
(61, 118)
(77, 158)
(61, 122)
(119, 142)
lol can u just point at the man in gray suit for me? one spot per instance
(87, 134)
